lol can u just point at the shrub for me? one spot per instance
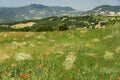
(63, 27)
(43, 28)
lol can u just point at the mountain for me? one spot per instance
(108, 8)
(34, 11)
(38, 11)
(104, 10)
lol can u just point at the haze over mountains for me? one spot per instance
(38, 11)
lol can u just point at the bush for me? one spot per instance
(43, 28)
(26, 29)
(63, 27)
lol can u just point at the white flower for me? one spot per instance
(32, 45)
(39, 43)
(83, 31)
(71, 36)
(66, 44)
(40, 37)
(69, 61)
(108, 36)
(108, 70)
(27, 35)
(15, 43)
(14, 39)
(23, 43)
(22, 57)
(60, 52)
(96, 40)
(19, 44)
(52, 41)
(109, 55)
(91, 54)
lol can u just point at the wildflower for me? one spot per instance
(15, 43)
(40, 37)
(52, 41)
(69, 61)
(107, 70)
(66, 44)
(71, 36)
(13, 65)
(44, 32)
(88, 45)
(27, 35)
(107, 37)
(12, 78)
(23, 43)
(96, 40)
(22, 57)
(32, 45)
(14, 39)
(83, 31)
(96, 66)
(108, 55)
(39, 43)
(91, 54)
(19, 44)
(60, 52)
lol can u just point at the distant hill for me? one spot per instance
(104, 9)
(38, 11)
(108, 8)
(34, 11)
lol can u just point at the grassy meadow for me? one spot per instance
(81, 54)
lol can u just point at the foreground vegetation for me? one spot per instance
(80, 54)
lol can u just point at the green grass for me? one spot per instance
(96, 54)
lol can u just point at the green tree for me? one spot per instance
(63, 27)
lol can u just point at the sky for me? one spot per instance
(82, 5)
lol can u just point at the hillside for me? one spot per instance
(35, 11)
(106, 10)
(61, 23)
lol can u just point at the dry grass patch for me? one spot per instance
(22, 25)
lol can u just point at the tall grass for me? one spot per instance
(83, 54)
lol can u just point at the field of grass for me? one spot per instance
(82, 54)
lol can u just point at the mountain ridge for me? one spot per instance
(38, 11)
(104, 10)
(34, 11)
